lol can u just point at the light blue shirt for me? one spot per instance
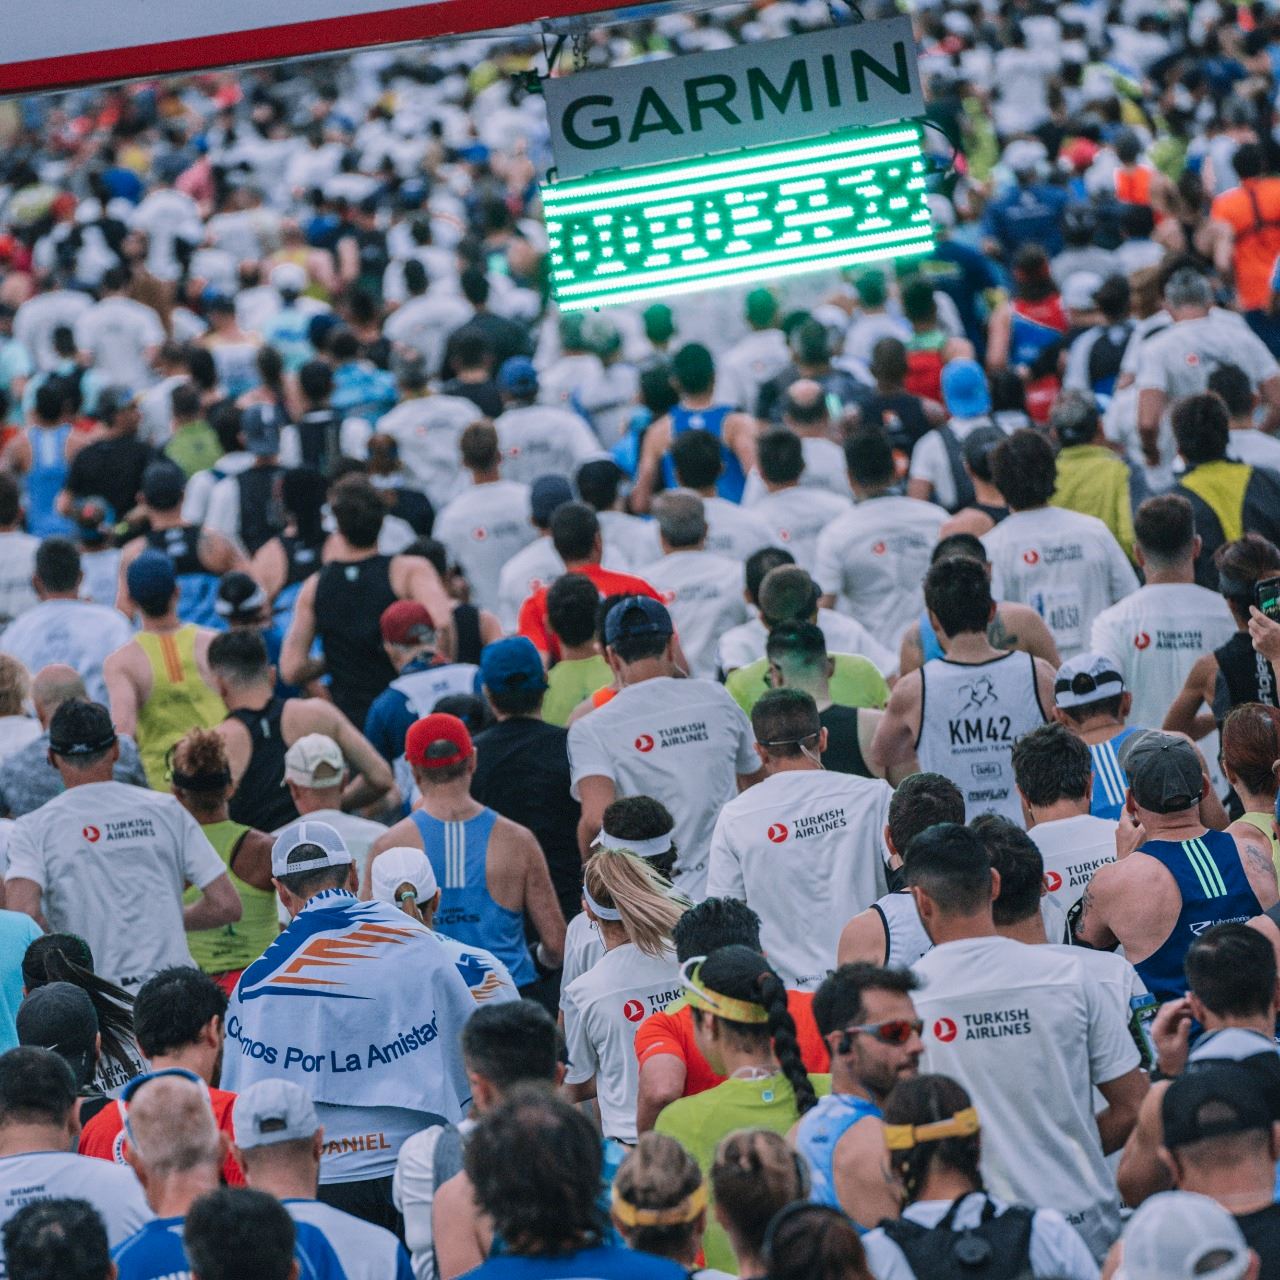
(17, 932)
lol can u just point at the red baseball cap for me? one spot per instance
(406, 622)
(436, 741)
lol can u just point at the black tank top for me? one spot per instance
(996, 514)
(181, 545)
(466, 630)
(319, 439)
(301, 560)
(350, 598)
(1244, 675)
(261, 515)
(262, 800)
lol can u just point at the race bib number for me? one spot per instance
(1063, 613)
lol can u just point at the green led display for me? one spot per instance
(755, 214)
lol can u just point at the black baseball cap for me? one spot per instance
(80, 728)
(1213, 1102)
(60, 1016)
(637, 616)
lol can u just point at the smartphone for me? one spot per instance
(1142, 1013)
(1267, 596)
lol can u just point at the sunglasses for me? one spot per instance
(896, 1031)
(122, 1102)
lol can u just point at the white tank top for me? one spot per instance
(971, 714)
(905, 938)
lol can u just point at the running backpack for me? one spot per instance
(998, 1248)
(965, 495)
(1105, 357)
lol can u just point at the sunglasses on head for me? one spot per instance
(896, 1031)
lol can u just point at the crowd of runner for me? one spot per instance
(777, 782)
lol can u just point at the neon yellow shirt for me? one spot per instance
(180, 700)
(233, 946)
(569, 682)
(855, 683)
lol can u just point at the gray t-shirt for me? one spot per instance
(1179, 360)
(28, 780)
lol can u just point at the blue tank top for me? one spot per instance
(46, 479)
(818, 1136)
(1109, 780)
(732, 479)
(1029, 338)
(458, 852)
(1214, 890)
(929, 645)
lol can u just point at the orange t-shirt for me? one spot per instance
(1257, 236)
(533, 613)
(671, 1031)
(103, 1136)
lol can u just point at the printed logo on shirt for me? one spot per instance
(480, 533)
(778, 832)
(784, 535)
(996, 1024)
(669, 597)
(1031, 557)
(878, 549)
(1080, 873)
(633, 1011)
(1052, 881)
(677, 736)
(1192, 359)
(644, 742)
(978, 694)
(814, 824)
(945, 1030)
(1142, 640)
(126, 829)
(91, 834)
(1192, 640)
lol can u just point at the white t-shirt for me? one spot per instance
(795, 518)
(602, 1010)
(1155, 636)
(167, 215)
(746, 644)
(824, 468)
(16, 732)
(37, 318)
(56, 1175)
(1028, 1032)
(17, 564)
(733, 532)
(427, 430)
(529, 570)
(1067, 566)
(629, 540)
(156, 406)
(1073, 849)
(703, 592)
(1179, 360)
(748, 365)
(1057, 1252)
(583, 946)
(118, 333)
(683, 740)
(1257, 448)
(543, 440)
(68, 631)
(805, 850)
(425, 323)
(112, 861)
(929, 459)
(482, 528)
(873, 560)
(366, 1252)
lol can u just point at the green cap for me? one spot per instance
(762, 309)
(659, 324)
(871, 288)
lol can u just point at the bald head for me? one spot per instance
(682, 519)
(805, 404)
(172, 1129)
(53, 686)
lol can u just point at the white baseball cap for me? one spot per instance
(1078, 290)
(272, 1111)
(1178, 1235)
(1086, 678)
(288, 277)
(315, 761)
(332, 849)
(402, 865)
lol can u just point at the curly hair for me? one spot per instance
(200, 770)
(535, 1165)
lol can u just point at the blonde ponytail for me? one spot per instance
(647, 903)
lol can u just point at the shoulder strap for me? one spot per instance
(955, 460)
(1259, 222)
(447, 1158)
(466, 627)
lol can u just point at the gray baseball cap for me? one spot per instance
(1164, 771)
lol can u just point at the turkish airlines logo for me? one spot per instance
(669, 597)
(1192, 359)
(1052, 881)
(1031, 557)
(644, 742)
(92, 834)
(784, 535)
(480, 533)
(1142, 640)
(945, 1030)
(878, 549)
(633, 1011)
(778, 832)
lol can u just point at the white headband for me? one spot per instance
(602, 913)
(641, 848)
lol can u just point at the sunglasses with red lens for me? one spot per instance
(897, 1031)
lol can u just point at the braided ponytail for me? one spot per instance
(786, 1045)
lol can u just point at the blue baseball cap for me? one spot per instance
(518, 377)
(637, 616)
(546, 497)
(151, 580)
(512, 665)
(964, 388)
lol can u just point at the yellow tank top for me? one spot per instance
(1266, 823)
(233, 946)
(180, 700)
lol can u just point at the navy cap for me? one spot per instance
(163, 484)
(512, 665)
(548, 495)
(150, 579)
(637, 616)
(518, 377)
(60, 1016)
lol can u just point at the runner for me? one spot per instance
(491, 870)
(979, 701)
(803, 848)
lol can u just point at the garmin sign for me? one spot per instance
(701, 104)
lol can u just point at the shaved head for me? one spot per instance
(53, 686)
(172, 1129)
(805, 402)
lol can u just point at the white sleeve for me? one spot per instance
(150, 329)
(195, 506)
(200, 864)
(354, 437)
(747, 761)
(26, 858)
(413, 1189)
(582, 1053)
(1150, 374)
(222, 514)
(1112, 1052)
(1123, 579)
(83, 330)
(1076, 376)
(588, 757)
(924, 458)
(1104, 637)
(1256, 359)
(827, 571)
(1058, 1250)
(724, 870)
(885, 1260)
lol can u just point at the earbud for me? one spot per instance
(845, 1044)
